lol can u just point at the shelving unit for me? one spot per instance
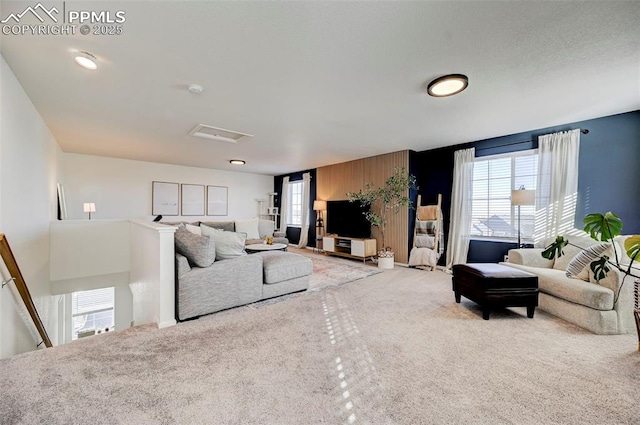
(349, 247)
(272, 217)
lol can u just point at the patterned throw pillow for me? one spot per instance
(199, 250)
(577, 265)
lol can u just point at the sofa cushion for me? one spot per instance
(229, 226)
(281, 266)
(193, 229)
(182, 265)
(570, 251)
(250, 227)
(556, 283)
(227, 244)
(266, 228)
(577, 266)
(199, 250)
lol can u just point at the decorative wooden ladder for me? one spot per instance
(636, 310)
(21, 286)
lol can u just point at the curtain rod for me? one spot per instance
(582, 130)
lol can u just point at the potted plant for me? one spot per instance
(604, 228)
(384, 201)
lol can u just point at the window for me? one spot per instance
(494, 177)
(294, 215)
(92, 311)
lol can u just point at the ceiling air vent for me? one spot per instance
(215, 133)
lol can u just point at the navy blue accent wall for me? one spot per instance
(293, 233)
(609, 173)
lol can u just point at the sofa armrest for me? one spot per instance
(182, 265)
(279, 234)
(531, 257)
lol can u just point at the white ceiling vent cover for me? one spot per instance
(215, 133)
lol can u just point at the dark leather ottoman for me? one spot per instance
(495, 286)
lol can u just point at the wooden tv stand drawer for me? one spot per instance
(349, 247)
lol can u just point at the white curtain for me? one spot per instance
(557, 185)
(284, 204)
(461, 195)
(304, 228)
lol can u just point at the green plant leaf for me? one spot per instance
(632, 246)
(555, 248)
(603, 227)
(600, 268)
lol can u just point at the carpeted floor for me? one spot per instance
(330, 271)
(392, 348)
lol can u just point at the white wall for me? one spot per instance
(121, 188)
(29, 163)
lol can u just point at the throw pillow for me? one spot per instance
(579, 242)
(250, 227)
(194, 229)
(581, 261)
(199, 250)
(228, 244)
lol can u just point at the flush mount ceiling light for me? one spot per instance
(86, 60)
(237, 162)
(447, 85)
(195, 88)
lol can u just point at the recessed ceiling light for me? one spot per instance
(448, 85)
(237, 162)
(86, 60)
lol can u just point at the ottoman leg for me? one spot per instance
(458, 297)
(485, 313)
(530, 311)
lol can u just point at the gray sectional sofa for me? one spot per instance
(213, 272)
(238, 281)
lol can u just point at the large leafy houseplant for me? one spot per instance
(604, 228)
(384, 201)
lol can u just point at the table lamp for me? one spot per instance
(89, 207)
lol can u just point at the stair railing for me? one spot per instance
(21, 286)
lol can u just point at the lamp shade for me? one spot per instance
(89, 207)
(523, 197)
(319, 205)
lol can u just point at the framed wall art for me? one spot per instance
(217, 200)
(165, 198)
(192, 199)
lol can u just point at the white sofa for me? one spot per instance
(587, 304)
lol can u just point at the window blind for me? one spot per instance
(295, 203)
(494, 177)
(92, 310)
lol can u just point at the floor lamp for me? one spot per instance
(522, 197)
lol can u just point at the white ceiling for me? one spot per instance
(325, 82)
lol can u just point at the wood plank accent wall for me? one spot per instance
(334, 181)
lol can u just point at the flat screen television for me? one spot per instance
(346, 218)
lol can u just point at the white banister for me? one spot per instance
(152, 273)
